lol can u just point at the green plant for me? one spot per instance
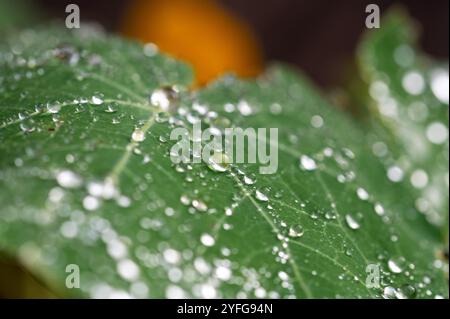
(78, 188)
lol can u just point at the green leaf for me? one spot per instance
(80, 185)
(408, 94)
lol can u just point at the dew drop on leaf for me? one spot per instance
(396, 264)
(207, 240)
(96, 100)
(307, 163)
(138, 135)
(351, 222)
(261, 196)
(53, 108)
(218, 162)
(68, 179)
(296, 231)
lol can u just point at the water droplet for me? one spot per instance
(379, 209)
(396, 264)
(175, 292)
(419, 178)
(128, 269)
(53, 108)
(389, 293)
(91, 203)
(260, 196)
(413, 83)
(439, 84)
(162, 117)
(307, 163)
(207, 240)
(316, 121)
(351, 222)
(406, 292)
(69, 229)
(111, 109)
(437, 133)
(185, 200)
(199, 205)
(138, 135)
(244, 108)
(228, 211)
(218, 162)
(296, 231)
(362, 193)
(223, 273)
(68, 179)
(164, 98)
(171, 256)
(207, 291)
(248, 180)
(395, 174)
(123, 201)
(276, 108)
(96, 100)
(27, 126)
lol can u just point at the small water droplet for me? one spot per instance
(111, 109)
(296, 231)
(128, 269)
(389, 293)
(260, 196)
(379, 209)
(406, 292)
(248, 180)
(162, 117)
(351, 222)
(218, 162)
(164, 98)
(138, 135)
(307, 163)
(244, 108)
(185, 200)
(68, 179)
(53, 108)
(207, 240)
(362, 193)
(396, 264)
(27, 126)
(91, 203)
(199, 205)
(96, 100)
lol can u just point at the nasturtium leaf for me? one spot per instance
(409, 102)
(86, 179)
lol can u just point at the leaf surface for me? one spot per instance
(86, 178)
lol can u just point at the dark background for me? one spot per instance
(318, 36)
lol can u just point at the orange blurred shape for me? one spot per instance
(200, 32)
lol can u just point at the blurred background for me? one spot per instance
(319, 37)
